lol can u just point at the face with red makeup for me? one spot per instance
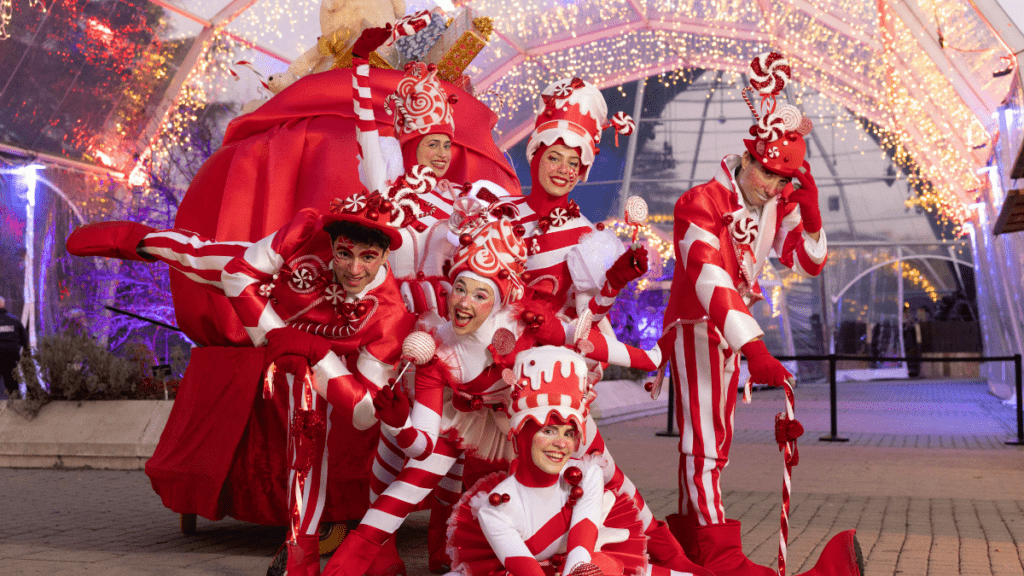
(557, 169)
(553, 445)
(757, 183)
(356, 264)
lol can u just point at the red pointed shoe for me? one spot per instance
(840, 557)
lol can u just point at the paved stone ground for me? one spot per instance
(925, 479)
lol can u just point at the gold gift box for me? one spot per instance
(465, 37)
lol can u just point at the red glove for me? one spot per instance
(763, 367)
(291, 364)
(109, 239)
(807, 197)
(392, 406)
(287, 340)
(543, 324)
(628, 267)
(370, 40)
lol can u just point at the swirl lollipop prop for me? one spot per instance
(418, 348)
(636, 216)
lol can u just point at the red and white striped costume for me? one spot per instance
(439, 433)
(718, 260)
(285, 279)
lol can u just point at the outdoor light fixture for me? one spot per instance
(28, 173)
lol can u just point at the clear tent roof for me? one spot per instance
(94, 81)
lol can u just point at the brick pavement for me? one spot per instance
(941, 500)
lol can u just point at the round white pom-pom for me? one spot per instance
(636, 211)
(419, 346)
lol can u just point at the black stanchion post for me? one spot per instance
(1020, 402)
(833, 404)
(670, 428)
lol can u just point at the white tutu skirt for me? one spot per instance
(481, 433)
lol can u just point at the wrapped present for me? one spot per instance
(416, 45)
(464, 38)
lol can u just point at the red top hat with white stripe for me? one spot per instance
(575, 113)
(549, 380)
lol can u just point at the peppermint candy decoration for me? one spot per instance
(411, 24)
(773, 152)
(266, 289)
(354, 203)
(421, 179)
(791, 117)
(334, 294)
(563, 88)
(805, 126)
(419, 346)
(771, 127)
(559, 217)
(420, 102)
(745, 231)
(769, 72)
(623, 123)
(302, 279)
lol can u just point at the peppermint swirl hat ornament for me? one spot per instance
(492, 250)
(421, 106)
(778, 142)
(368, 209)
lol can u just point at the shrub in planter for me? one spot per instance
(75, 367)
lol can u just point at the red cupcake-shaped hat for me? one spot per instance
(778, 142)
(549, 380)
(575, 113)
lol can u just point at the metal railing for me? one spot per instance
(832, 359)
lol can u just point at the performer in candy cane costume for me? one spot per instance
(724, 231)
(424, 126)
(318, 288)
(569, 256)
(484, 323)
(552, 512)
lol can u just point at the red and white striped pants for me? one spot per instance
(311, 492)
(705, 373)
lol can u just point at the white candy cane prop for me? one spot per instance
(418, 348)
(787, 430)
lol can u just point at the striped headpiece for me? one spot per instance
(549, 380)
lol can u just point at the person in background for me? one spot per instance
(13, 340)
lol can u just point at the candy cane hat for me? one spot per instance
(549, 380)
(372, 210)
(575, 113)
(421, 106)
(492, 250)
(778, 142)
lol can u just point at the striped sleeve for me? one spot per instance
(244, 275)
(199, 259)
(507, 543)
(586, 516)
(700, 254)
(608, 349)
(796, 249)
(601, 303)
(418, 437)
(374, 168)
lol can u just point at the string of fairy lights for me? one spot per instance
(864, 57)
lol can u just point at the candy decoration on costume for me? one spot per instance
(636, 214)
(778, 142)
(549, 380)
(493, 247)
(421, 106)
(769, 73)
(419, 347)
